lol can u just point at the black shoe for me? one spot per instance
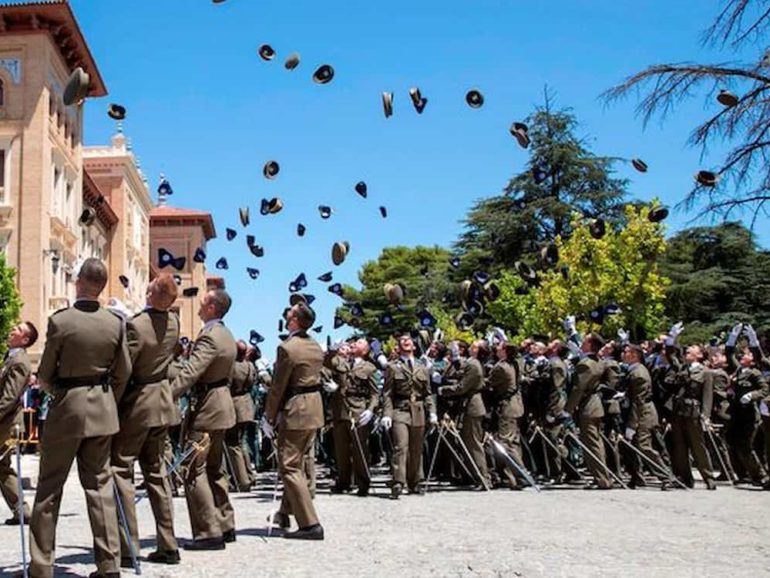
(14, 521)
(98, 574)
(363, 491)
(229, 536)
(280, 520)
(315, 532)
(395, 492)
(419, 490)
(336, 489)
(711, 485)
(205, 544)
(167, 557)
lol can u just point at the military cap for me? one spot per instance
(474, 98)
(190, 292)
(639, 165)
(266, 52)
(177, 279)
(165, 258)
(326, 277)
(292, 61)
(612, 309)
(475, 308)
(164, 188)
(323, 74)
(338, 322)
(87, 217)
(481, 277)
(336, 288)
(299, 283)
(271, 169)
(636, 349)
(318, 328)
(394, 292)
(255, 338)
(385, 319)
(116, 111)
(465, 290)
(387, 104)
(727, 98)
(463, 320)
(361, 188)
(123, 281)
(384, 212)
(325, 211)
(264, 207)
(200, 255)
(454, 262)
(520, 132)
(550, 254)
(340, 252)
(356, 310)
(231, 234)
(596, 315)
(76, 89)
(256, 250)
(539, 175)
(274, 206)
(295, 298)
(301, 230)
(418, 100)
(222, 263)
(426, 319)
(243, 214)
(707, 178)
(657, 214)
(491, 291)
(253, 273)
(525, 271)
(280, 325)
(597, 228)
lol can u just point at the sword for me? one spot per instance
(124, 523)
(229, 467)
(596, 459)
(460, 461)
(20, 490)
(461, 443)
(273, 512)
(728, 472)
(433, 460)
(360, 447)
(522, 471)
(655, 465)
(195, 447)
(539, 431)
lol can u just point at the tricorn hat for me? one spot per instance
(116, 112)
(76, 89)
(520, 132)
(266, 52)
(292, 61)
(387, 104)
(271, 169)
(474, 99)
(340, 252)
(323, 74)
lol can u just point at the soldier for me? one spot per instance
(359, 400)
(691, 408)
(295, 408)
(335, 375)
(469, 388)
(14, 378)
(146, 411)
(643, 418)
(586, 401)
(508, 408)
(211, 413)
(243, 378)
(553, 398)
(407, 399)
(85, 367)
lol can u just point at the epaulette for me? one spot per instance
(58, 311)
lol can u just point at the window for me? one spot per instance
(2, 169)
(2, 92)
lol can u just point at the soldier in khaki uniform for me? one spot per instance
(335, 376)
(643, 417)
(243, 379)
(146, 411)
(469, 389)
(586, 401)
(503, 380)
(356, 403)
(407, 400)
(294, 406)
(85, 367)
(211, 413)
(14, 378)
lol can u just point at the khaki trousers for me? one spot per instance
(509, 437)
(147, 445)
(9, 483)
(687, 437)
(590, 436)
(293, 449)
(740, 436)
(205, 488)
(643, 442)
(239, 459)
(472, 434)
(406, 462)
(346, 451)
(93, 461)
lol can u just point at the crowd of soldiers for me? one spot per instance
(203, 416)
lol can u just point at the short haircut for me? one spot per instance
(305, 315)
(32, 333)
(221, 301)
(636, 350)
(166, 288)
(94, 274)
(596, 341)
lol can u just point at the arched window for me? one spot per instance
(2, 92)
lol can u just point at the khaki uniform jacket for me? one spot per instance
(337, 370)
(695, 395)
(152, 336)
(82, 341)
(503, 382)
(14, 378)
(721, 406)
(362, 393)
(298, 365)
(584, 396)
(406, 394)
(643, 414)
(242, 380)
(751, 381)
(556, 397)
(211, 361)
(470, 385)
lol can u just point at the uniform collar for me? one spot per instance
(210, 323)
(13, 351)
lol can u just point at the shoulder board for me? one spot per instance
(58, 311)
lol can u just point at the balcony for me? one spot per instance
(62, 230)
(56, 303)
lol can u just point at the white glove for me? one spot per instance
(735, 332)
(620, 395)
(386, 422)
(676, 330)
(752, 335)
(623, 336)
(436, 377)
(433, 418)
(746, 398)
(365, 417)
(570, 325)
(266, 428)
(763, 409)
(669, 341)
(442, 390)
(574, 348)
(382, 361)
(630, 433)
(330, 386)
(454, 349)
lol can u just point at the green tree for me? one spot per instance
(425, 274)
(718, 277)
(619, 269)
(10, 303)
(563, 177)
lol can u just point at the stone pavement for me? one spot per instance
(562, 532)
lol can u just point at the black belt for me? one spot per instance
(156, 378)
(506, 396)
(204, 388)
(102, 380)
(294, 391)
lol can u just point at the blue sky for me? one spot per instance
(207, 112)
